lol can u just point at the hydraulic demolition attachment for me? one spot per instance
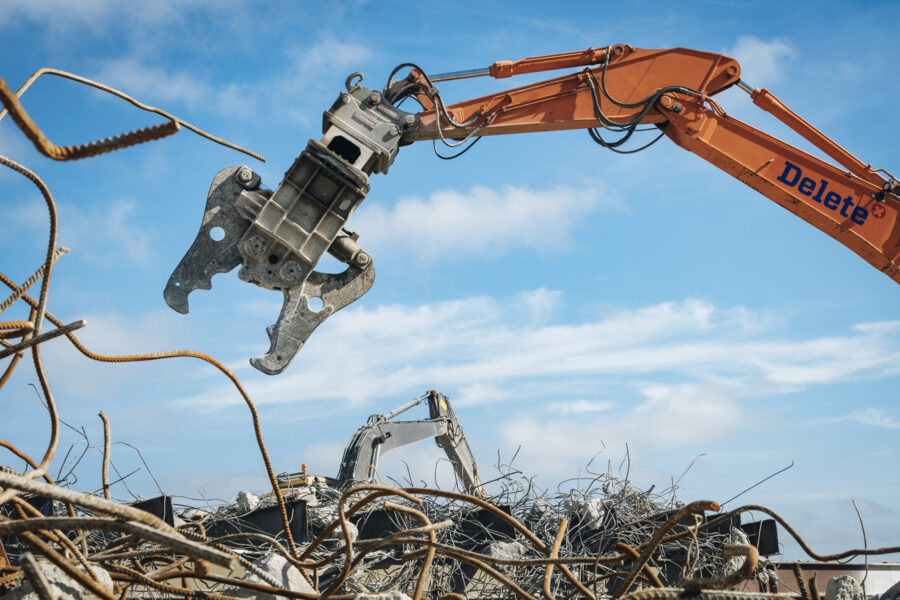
(279, 237)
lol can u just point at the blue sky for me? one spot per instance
(567, 299)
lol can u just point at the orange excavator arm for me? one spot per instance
(279, 236)
(622, 87)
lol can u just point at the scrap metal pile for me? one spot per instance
(603, 539)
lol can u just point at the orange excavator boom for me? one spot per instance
(622, 87)
(279, 236)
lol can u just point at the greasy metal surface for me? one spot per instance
(279, 237)
(233, 196)
(297, 320)
(206, 256)
(292, 229)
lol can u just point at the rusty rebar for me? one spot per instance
(650, 547)
(554, 552)
(37, 318)
(801, 582)
(34, 278)
(104, 471)
(814, 589)
(67, 567)
(51, 150)
(681, 594)
(39, 339)
(110, 90)
(254, 415)
(635, 555)
(746, 569)
(141, 530)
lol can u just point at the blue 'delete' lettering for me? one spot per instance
(792, 175)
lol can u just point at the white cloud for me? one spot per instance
(114, 232)
(327, 55)
(480, 394)
(578, 407)
(482, 221)
(169, 88)
(95, 14)
(106, 235)
(762, 62)
(145, 82)
(874, 417)
(480, 348)
(678, 416)
(541, 303)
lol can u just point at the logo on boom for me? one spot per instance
(793, 177)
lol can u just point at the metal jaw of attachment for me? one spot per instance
(279, 237)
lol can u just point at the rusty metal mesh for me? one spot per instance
(601, 538)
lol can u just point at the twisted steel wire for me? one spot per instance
(546, 544)
(11, 100)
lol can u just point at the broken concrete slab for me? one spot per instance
(279, 572)
(391, 595)
(247, 501)
(60, 583)
(892, 593)
(844, 587)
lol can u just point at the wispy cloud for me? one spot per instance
(874, 417)
(327, 55)
(155, 83)
(171, 88)
(451, 224)
(300, 73)
(105, 235)
(96, 14)
(578, 407)
(677, 415)
(762, 62)
(483, 347)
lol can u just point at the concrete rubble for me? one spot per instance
(276, 572)
(247, 501)
(892, 593)
(391, 595)
(844, 587)
(61, 584)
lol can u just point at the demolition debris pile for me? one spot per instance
(603, 539)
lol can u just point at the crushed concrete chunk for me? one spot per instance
(892, 593)
(391, 595)
(247, 501)
(589, 513)
(844, 587)
(194, 514)
(63, 585)
(510, 550)
(319, 518)
(278, 570)
(736, 536)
